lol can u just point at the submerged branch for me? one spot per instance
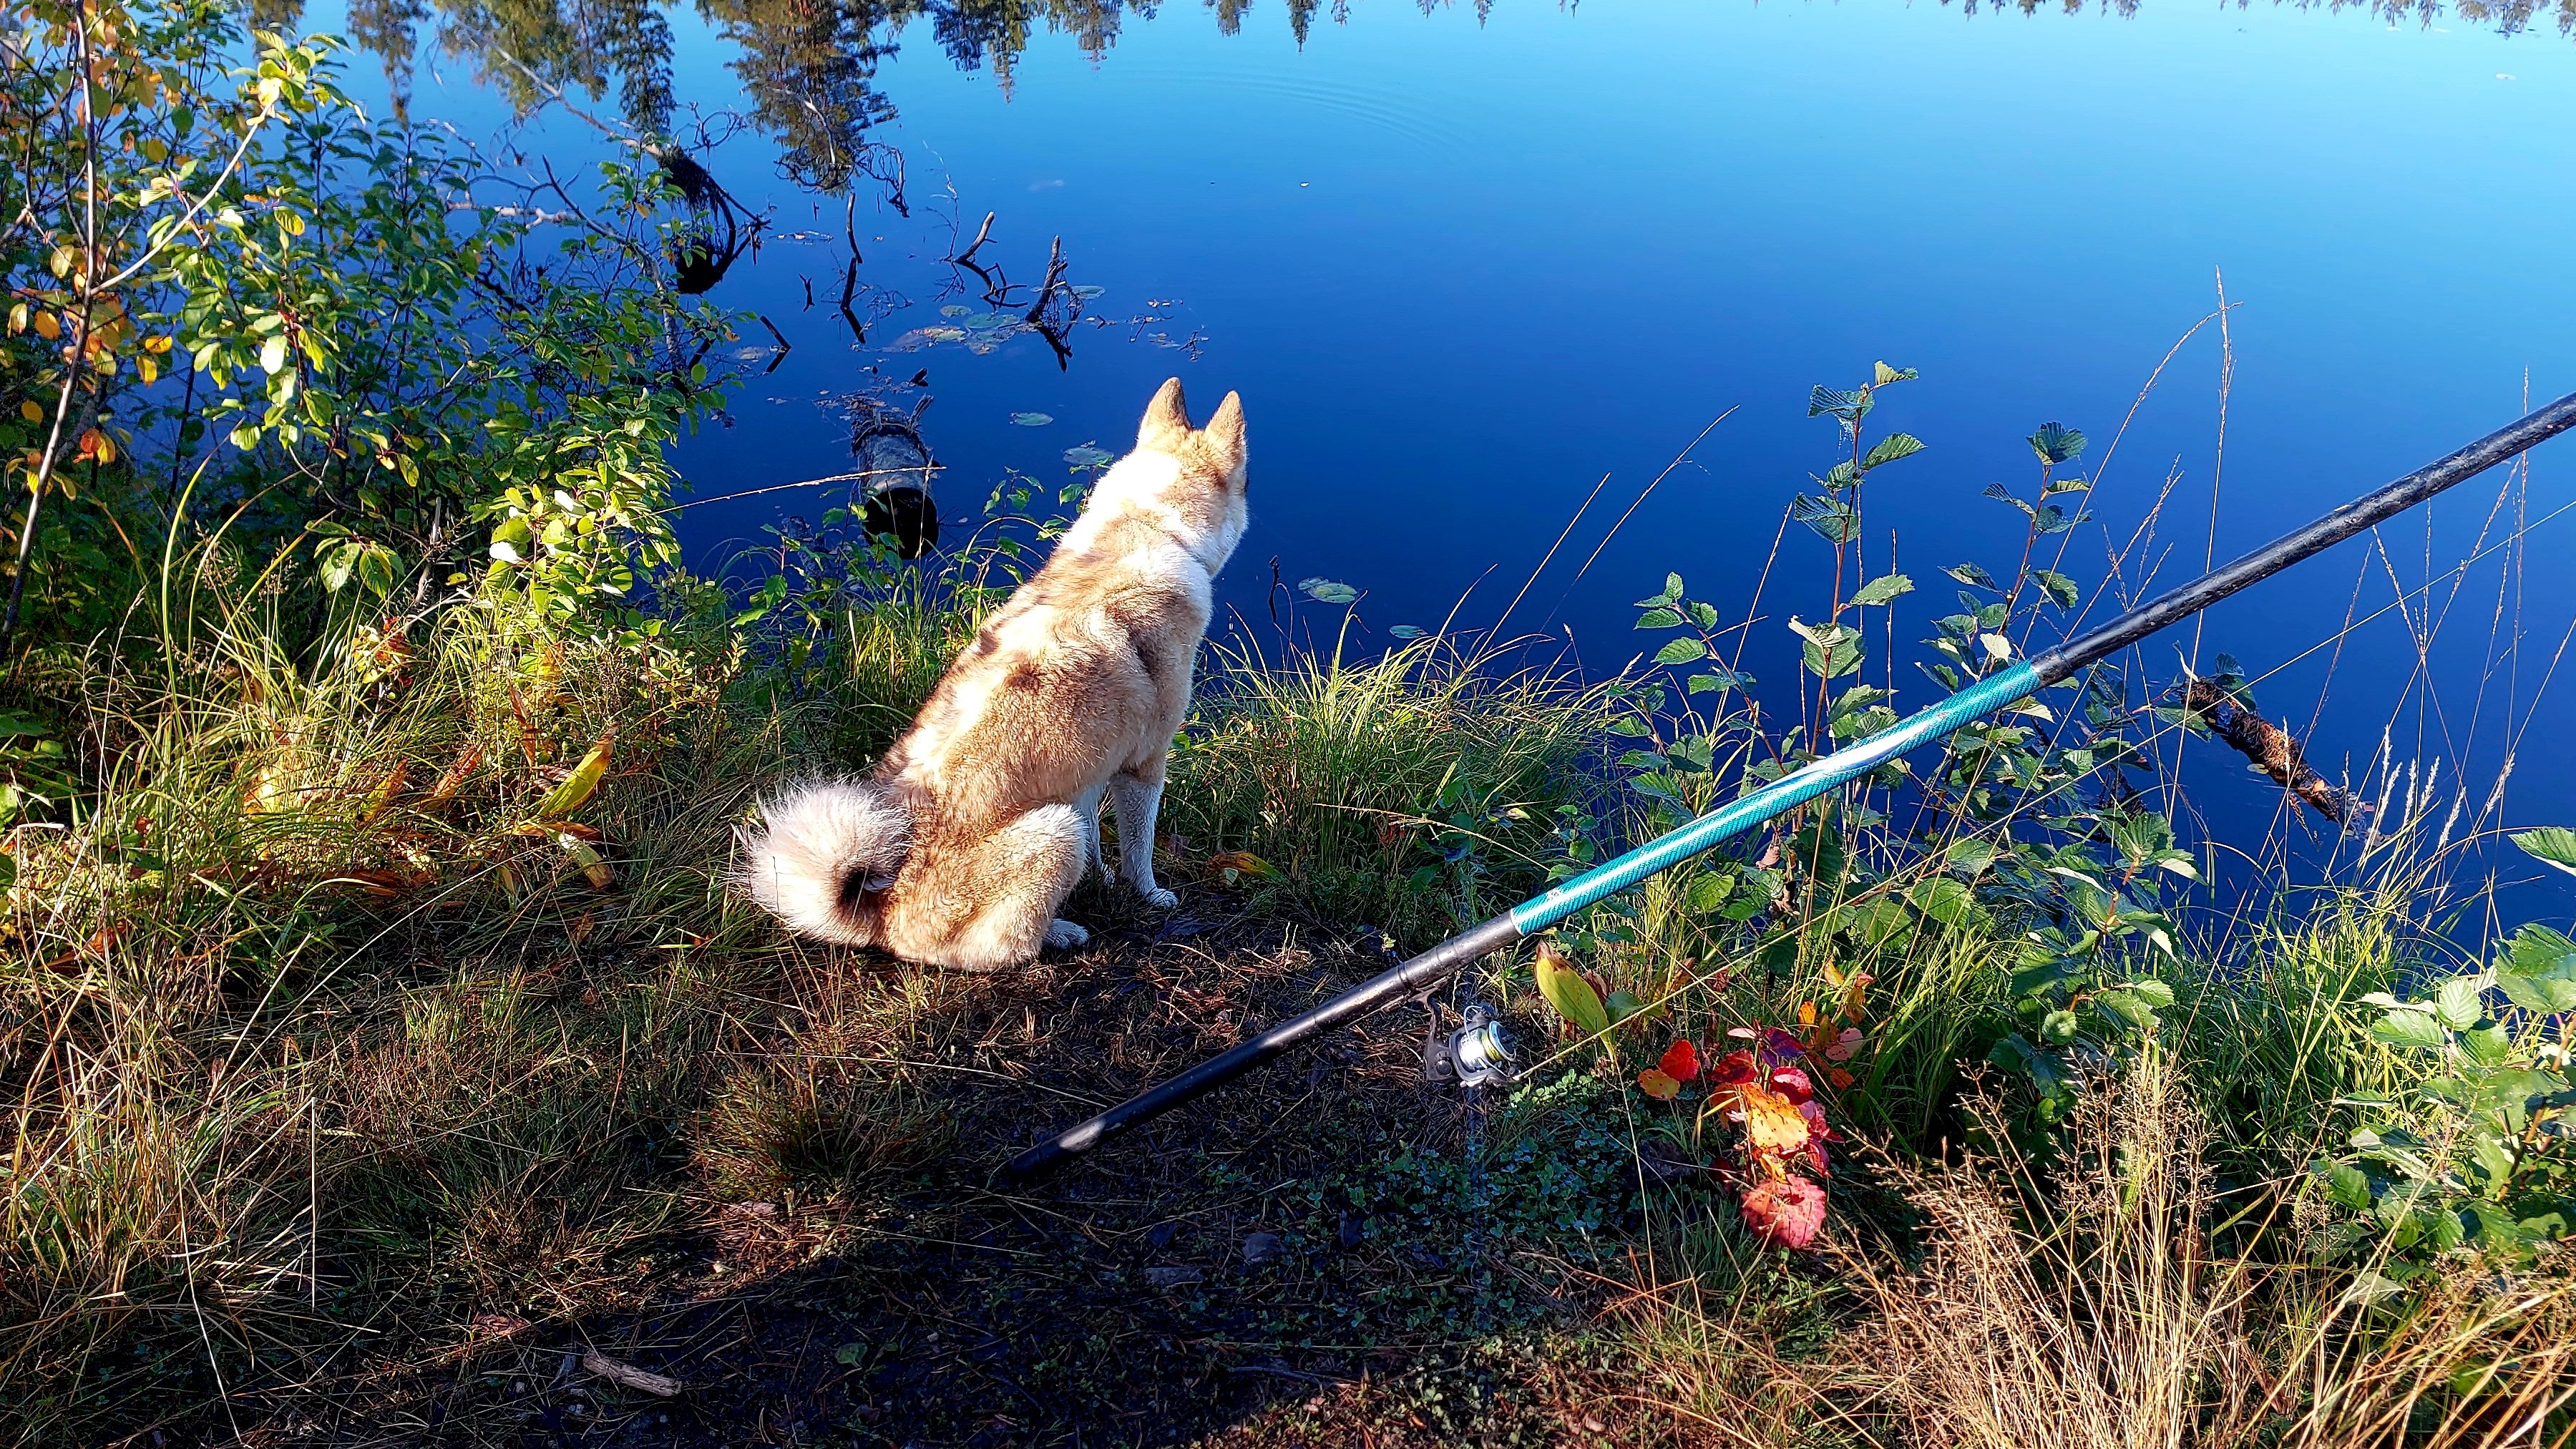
(2270, 748)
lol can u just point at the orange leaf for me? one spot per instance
(1657, 1085)
(1773, 1125)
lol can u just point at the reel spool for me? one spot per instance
(1477, 1054)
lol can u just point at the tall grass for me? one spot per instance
(269, 1028)
(1418, 791)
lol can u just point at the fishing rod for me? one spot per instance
(1477, 1048)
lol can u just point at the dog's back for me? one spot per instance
(969, 834)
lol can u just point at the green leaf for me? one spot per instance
(2488, 1046)
(2348, 1186)
(2153, 992)
(1709, 892)
(1327, 591)
(1851, 407)
(376, 569)
(1970, 856)
(2538, 971)
(1672, 592)
(1891, 448)
(1946, 900)
(1882, 922)
(2125, 1005)
(1881, 374)
(2409, 1029)
(2060, 589)
(1681, 651)
(1833, 520)
(1571, 995)
(1621, 1006)
(272, 355)
(1881, 589)
(1660, 619)
(2553, 844)
(1968, 573)
(2056, 443)
(2014, 1053)
(2455, 1003)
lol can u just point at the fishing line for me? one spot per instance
(2007, 686)
(808, 483)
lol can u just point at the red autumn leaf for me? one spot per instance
(1681, 1061)
(1841, 1079)
(1732, 1070)
(1819, 1132)
(1657, 1085)
(1787, 1213)
(1792, 1083)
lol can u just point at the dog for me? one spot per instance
(959, 848)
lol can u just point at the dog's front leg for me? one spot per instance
(1087, 805)
(1139, 800)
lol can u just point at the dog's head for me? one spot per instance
(1194, 478)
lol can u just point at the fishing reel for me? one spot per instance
(1475, 1055)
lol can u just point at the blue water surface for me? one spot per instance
(1463, 266)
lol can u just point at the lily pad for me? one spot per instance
(955, 309)
(1031, 420)
(1327, 591)
(1088, 456)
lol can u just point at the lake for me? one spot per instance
(1463, 262)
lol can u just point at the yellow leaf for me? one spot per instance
(1567, 991)
(17, 319)
(1771, 1121)
(150, 369)
(1241, 862)
(577, 786)
(29, 410)
(48, 328)
(592, 867)
(1657, 1085)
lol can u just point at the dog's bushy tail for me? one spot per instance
(823, 857)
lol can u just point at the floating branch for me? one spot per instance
(2270, 748)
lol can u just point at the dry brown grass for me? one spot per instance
(2075, 1304)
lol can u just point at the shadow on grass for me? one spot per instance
(1326, 1243)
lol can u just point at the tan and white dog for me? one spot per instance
(958, 849)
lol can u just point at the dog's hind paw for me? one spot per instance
(1161, 899)
(1063, 935)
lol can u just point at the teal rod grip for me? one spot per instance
(2019, 681)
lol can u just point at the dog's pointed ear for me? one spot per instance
(1167, 418)
(1224, 433)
